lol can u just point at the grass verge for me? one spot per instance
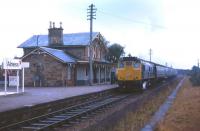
(184, 115)
(137, 119)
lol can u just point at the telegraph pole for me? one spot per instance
(150, 53)
(198, 63)
(91, 15)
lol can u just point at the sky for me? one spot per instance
(171, 28)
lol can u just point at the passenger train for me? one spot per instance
(135, 71)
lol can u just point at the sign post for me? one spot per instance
(22, 79)
(24, 65)
(17, 81)
(14, 64)
(5, 83)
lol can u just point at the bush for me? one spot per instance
(195, 76)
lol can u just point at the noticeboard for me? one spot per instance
(13, 81)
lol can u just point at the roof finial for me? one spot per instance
(50, 25)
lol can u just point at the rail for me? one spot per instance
(64, 116)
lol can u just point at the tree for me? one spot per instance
(115, 51)
(195, 76)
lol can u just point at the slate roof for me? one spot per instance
(59, 54)
(76, 39)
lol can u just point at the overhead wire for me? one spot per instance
(125, 18)
(131, 20)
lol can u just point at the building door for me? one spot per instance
(38, 76)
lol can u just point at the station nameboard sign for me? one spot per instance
(11, 64)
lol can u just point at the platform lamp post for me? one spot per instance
(37, 37)
(150, 54)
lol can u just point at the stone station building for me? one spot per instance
(59, 59)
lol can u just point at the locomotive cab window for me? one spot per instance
(121, 64)
(136, 65)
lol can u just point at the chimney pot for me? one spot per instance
(53, 24)
(50, 25)
(60, 24)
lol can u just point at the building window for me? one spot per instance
(69, 72)
(96, 53)
(99, 54)
(93, 52)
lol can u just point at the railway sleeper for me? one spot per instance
(74, 112)
(85, 108)
(71, 114)
(77, 112)
(89, 106)
(26, 128)
(61, 116)
(55, 119)
(39, 124)
(82, 109)
(48, 121)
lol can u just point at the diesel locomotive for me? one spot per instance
(135, 71)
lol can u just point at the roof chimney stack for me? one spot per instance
(55, 35)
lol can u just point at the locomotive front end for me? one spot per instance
(128, 72)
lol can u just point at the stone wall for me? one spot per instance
(79, 52)
(45, 70)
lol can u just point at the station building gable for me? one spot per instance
(59, 59)
(48, 67)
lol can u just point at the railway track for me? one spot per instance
(64, 117)
(132, 104)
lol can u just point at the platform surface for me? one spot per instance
(37, 95)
